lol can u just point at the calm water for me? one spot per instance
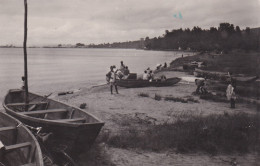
(57, 69)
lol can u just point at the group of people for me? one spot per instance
(148, 74)
(121, 73)
(160, 66)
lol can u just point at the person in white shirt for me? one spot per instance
(145, 75)
(231, 96)
(112, 79)
(122, 67)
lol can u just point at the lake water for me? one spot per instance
(58, 69)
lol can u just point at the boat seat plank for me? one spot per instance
(17, 146)
(69, 120)
(23, 104)
(44, 111)
(7, 128)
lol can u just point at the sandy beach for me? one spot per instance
(118, 109)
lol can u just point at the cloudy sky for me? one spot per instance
(53, 22)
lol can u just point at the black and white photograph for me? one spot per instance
(130, 83)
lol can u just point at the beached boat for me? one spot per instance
(67, 123)
(136, 83)
(239, 78)
(20, 146)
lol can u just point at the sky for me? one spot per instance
(52, 22)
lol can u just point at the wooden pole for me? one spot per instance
(25, 56)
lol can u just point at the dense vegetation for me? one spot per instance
(225, 37)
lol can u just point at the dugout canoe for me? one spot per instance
(133, 83)
(20, 148)
(66, 122)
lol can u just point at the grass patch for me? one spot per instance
(143, 94)
(157, 97)
(212, 134)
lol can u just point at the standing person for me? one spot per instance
(231, 96)
(113, 79)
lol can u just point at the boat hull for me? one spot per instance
(21, 134)
(129, 83)
(78, 137)
(224, 76)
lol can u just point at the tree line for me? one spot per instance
(128, 44)
(223, 38)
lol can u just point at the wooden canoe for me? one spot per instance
(20, 146)
(224, 76)
(65, 122)
(133, 83)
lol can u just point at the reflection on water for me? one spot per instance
(55, 69)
